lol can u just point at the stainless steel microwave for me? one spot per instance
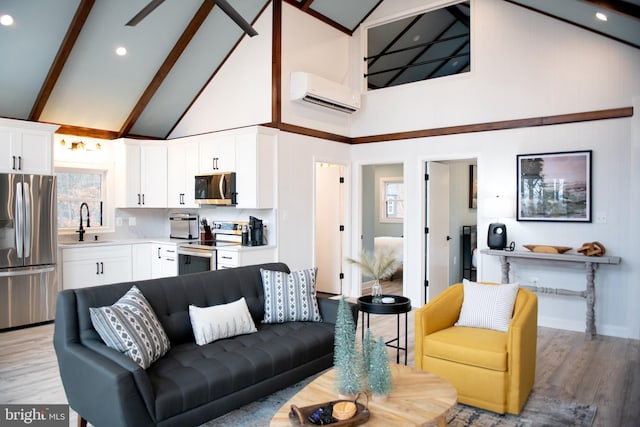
(216, 188)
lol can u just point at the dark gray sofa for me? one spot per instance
(190, 384)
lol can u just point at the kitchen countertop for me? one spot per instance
(159, 240)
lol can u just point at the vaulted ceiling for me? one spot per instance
(59, 63)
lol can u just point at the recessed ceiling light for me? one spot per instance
(6, 20)
(601, 16)
(121, 51)
(416, 37)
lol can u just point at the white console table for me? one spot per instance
(590, 264)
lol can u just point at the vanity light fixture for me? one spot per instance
(601, 16)
(6, 20)
(81, 145)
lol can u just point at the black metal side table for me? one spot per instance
(399, 306)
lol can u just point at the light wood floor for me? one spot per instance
(605, 371)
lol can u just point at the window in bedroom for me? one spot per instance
(433, 44)
(392, 199)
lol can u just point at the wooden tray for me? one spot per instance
(547, 249)
(299, 416)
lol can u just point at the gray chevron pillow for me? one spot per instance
(131, 327)
(290, 297)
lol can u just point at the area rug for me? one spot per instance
(539, 411)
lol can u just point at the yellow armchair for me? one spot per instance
(491, 370)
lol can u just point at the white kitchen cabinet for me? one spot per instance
(217, 153)
(26, 147)
(182, 167)
(141, 255)
(164, 261)
(93, 266)
(230, 258)
(255, 169)
(141, 174)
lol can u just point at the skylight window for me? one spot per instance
(433, 44)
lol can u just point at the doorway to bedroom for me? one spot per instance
(383, 220)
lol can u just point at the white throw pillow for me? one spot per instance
(487, 306)
(290, 297)
(131, 327)
(221, 321)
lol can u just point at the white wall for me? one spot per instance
(310, 45)
(521, 70)
(297, 156)
(516, 53)
(240, 93)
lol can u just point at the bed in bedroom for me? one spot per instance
(390, 243)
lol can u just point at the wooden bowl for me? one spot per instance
(548, 249)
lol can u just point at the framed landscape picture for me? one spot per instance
(554, 187)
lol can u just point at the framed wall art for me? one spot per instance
(554, 187)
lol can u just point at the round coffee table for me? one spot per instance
(418, 398)
(399, 306)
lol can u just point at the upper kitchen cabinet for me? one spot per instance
(255, 168)
(26, 147)
(217, 153)
(141, 174)
(182, 166)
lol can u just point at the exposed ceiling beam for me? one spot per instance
(420, 53)
(80, 17)
(167, 65)
(395, 39)
(316, 15)
(305, 4)
(567, 21)
(464, 19)
(231, 51)
(623, 7)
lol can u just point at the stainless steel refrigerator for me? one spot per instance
(28, 247)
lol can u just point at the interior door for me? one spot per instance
(329, 219)
(438, 225)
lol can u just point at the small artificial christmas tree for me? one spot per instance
(346, 358)
(367, 348)
(379, 374)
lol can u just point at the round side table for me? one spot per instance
(399, 306)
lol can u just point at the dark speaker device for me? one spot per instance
(497, 237)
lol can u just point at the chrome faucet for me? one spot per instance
(82, 230)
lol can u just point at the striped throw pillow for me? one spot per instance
(131, 327)
(487, 306)
(290, 297)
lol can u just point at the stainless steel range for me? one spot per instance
(200, 255)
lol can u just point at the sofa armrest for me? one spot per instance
(329, 310)
(100, 390)
(439, 313)
(521, 348)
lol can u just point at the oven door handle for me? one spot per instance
(201, 254)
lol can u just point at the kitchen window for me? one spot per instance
(76, 186)
(392, 199)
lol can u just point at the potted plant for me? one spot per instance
(379, 265)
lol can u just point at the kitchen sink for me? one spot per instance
(86, 242)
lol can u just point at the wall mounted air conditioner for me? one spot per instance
(317, 90)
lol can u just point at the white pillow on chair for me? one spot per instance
(487, 306)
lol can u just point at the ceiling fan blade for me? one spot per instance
(144, 12)
(236, 17)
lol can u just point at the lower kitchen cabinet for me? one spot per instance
(164, 260)
(245, 256)
(93, 266)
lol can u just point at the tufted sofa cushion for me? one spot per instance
(190, 375)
